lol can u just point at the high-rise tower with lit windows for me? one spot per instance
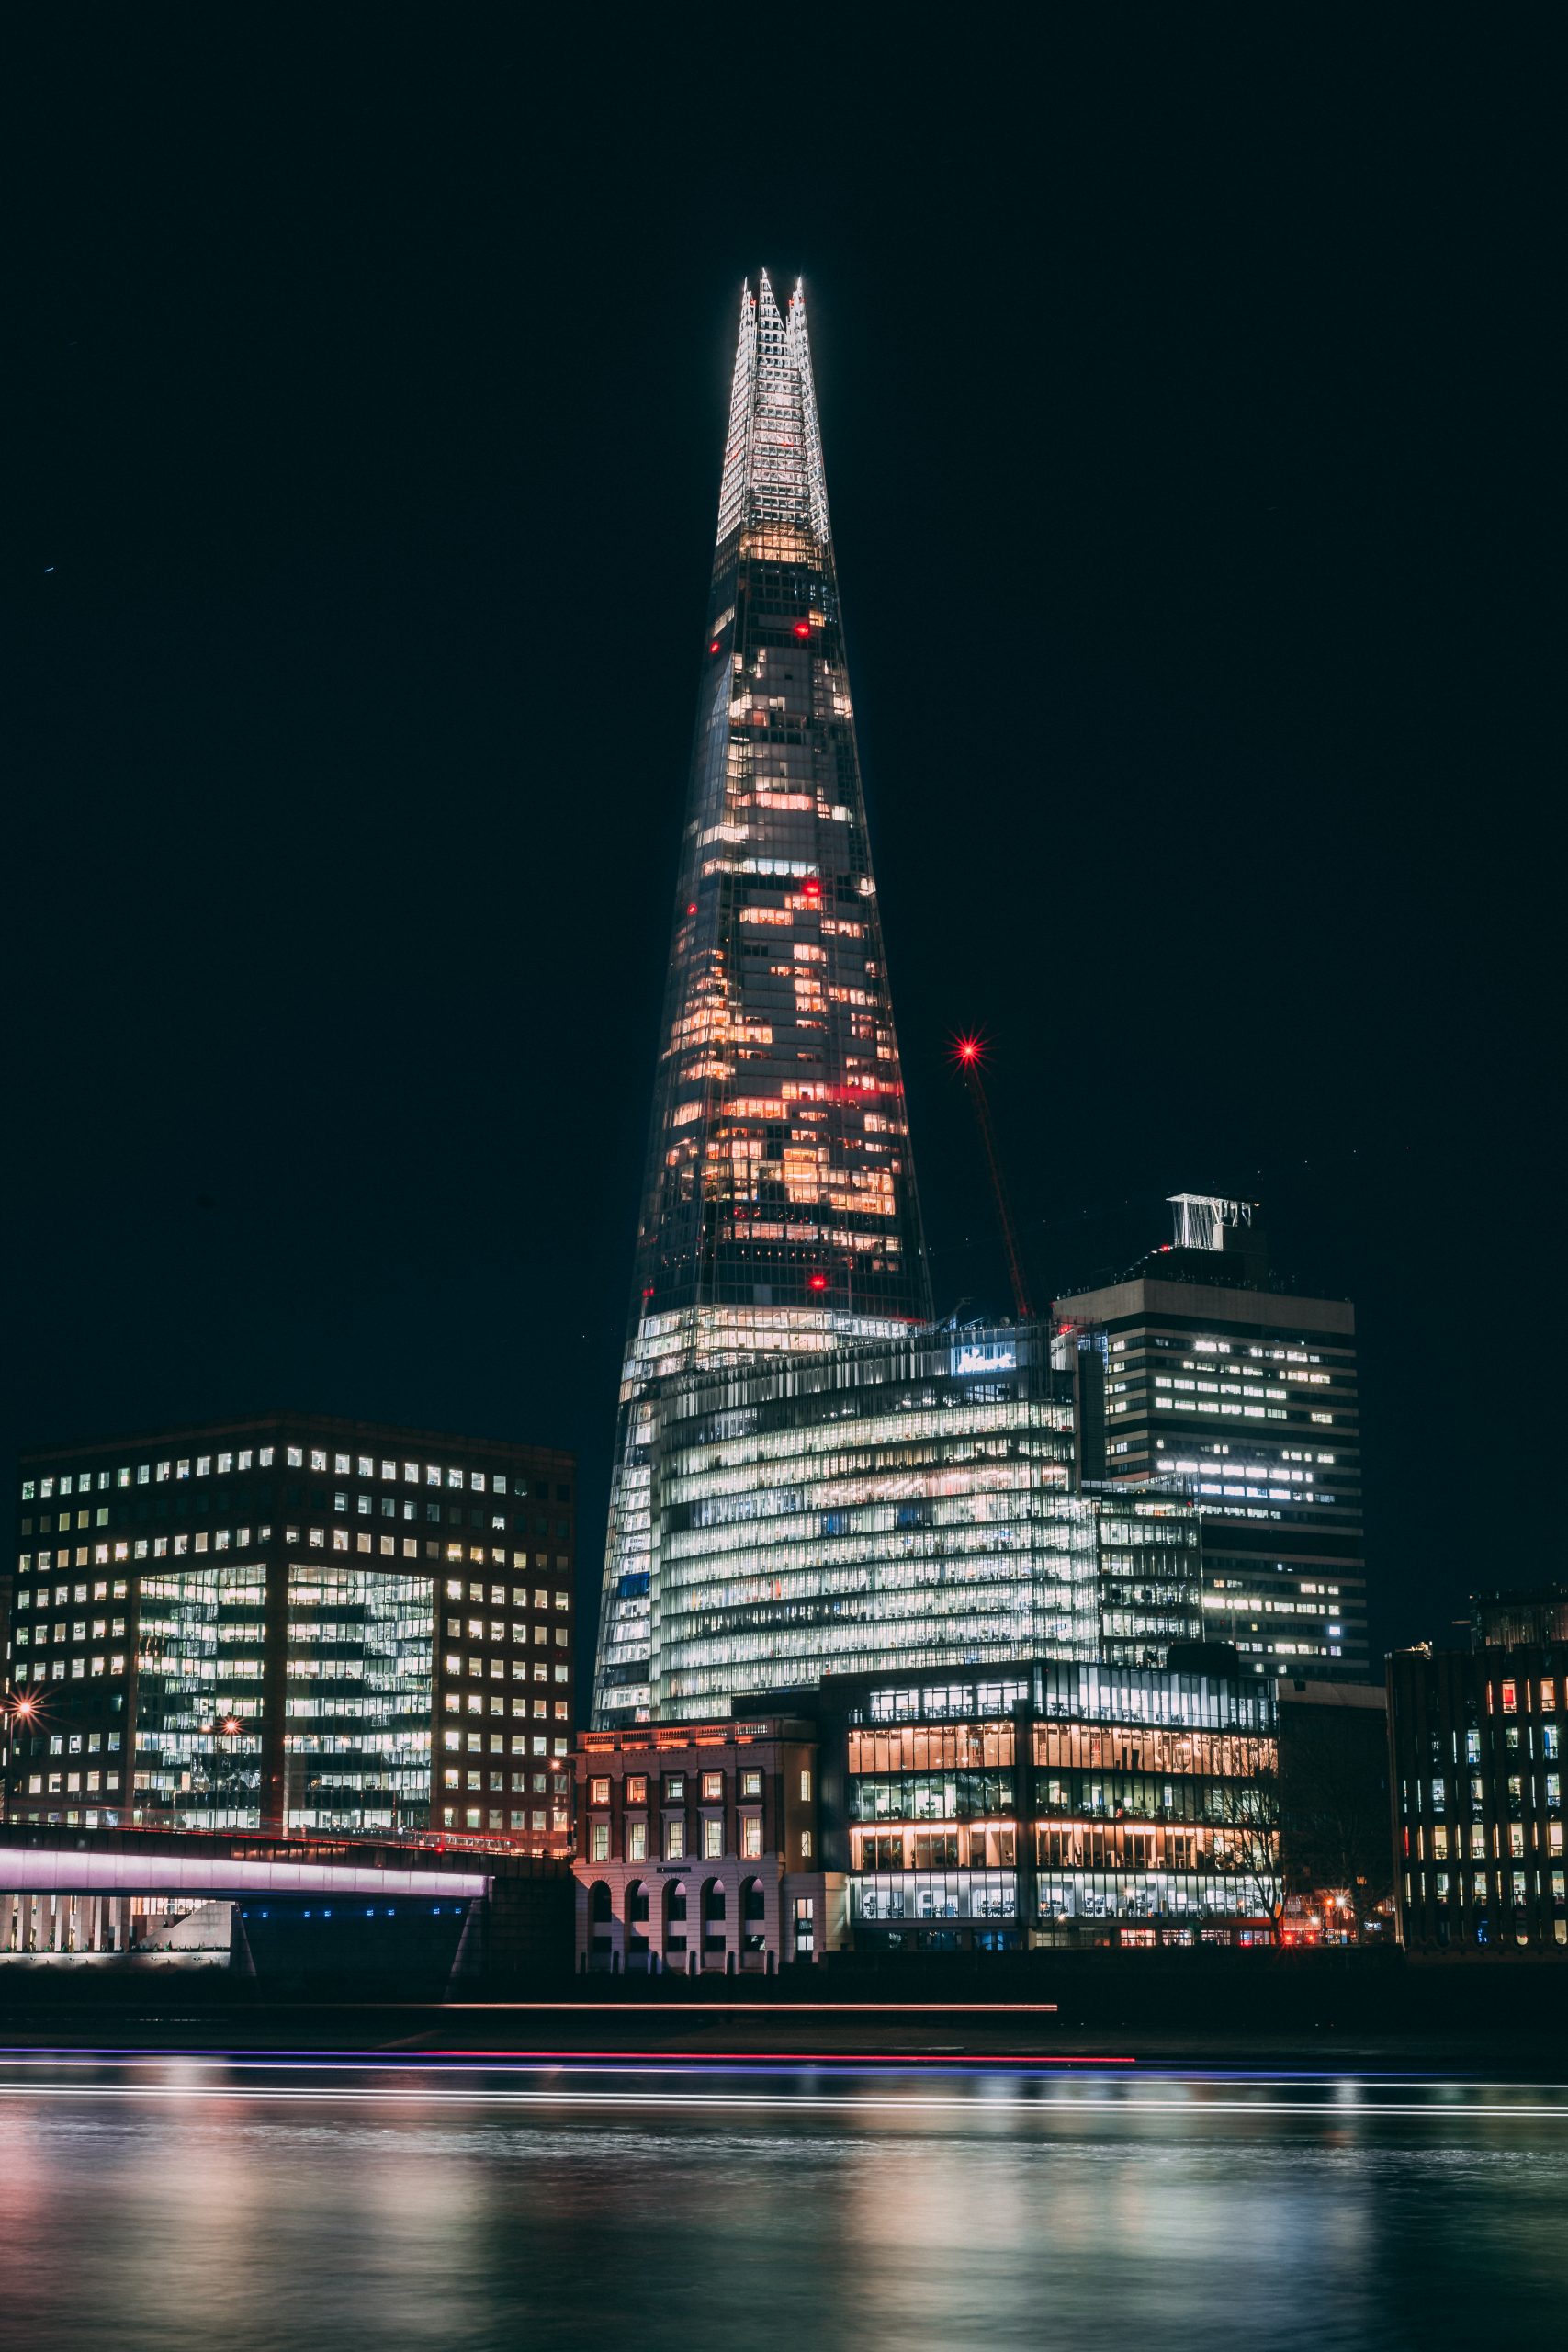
(778, 1208)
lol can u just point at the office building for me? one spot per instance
(698, 1848)
(293, 1623)
(1040, 1805)
(779, 1209)
(1477, 1739)
(895, 1503)
(1197, 1367)
(1053, 1806)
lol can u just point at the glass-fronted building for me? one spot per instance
(900, 1502)
(778, 1209)
(1052, 1804)
(295, 1623)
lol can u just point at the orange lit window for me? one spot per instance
(1510, 1699)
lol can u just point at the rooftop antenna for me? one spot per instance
(968, 1053)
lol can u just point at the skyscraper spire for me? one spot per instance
(779, 1207)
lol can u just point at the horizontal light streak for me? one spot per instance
(1188, 2108)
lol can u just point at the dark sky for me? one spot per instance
(1177, 387)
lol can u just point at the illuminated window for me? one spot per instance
(713, 1839)
(599, 1792)
(674, 1841)
(713, 1788)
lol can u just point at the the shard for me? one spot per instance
(778, 1206)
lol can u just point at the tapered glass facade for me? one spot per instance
(778, 1207)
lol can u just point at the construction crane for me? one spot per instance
(968, 1054)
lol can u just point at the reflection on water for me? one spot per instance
(185, 2204)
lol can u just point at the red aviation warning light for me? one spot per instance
(817, 1282)
(968, 1055)
(802, 629)
(717, 646)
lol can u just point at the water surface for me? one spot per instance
(197, 2202)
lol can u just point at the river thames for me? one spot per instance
(259, 2202)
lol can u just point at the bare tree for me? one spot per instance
(1247, 1833)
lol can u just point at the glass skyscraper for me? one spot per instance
(778, 1208)
(901, 1503)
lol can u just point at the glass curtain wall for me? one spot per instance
(357, 1736)
(901, 1503)
(201, 1640)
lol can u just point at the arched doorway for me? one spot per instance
(715, 1920)
(601, 1925)
(753, 1923)
(675, 1926)
(637, 1924)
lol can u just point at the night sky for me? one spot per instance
(1176, 390)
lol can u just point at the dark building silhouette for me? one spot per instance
(1477, 1747)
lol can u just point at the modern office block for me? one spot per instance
(1054, 1805)
(1195, 1368)
(295, 1623)
(779, 1209)
(903, 1503)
